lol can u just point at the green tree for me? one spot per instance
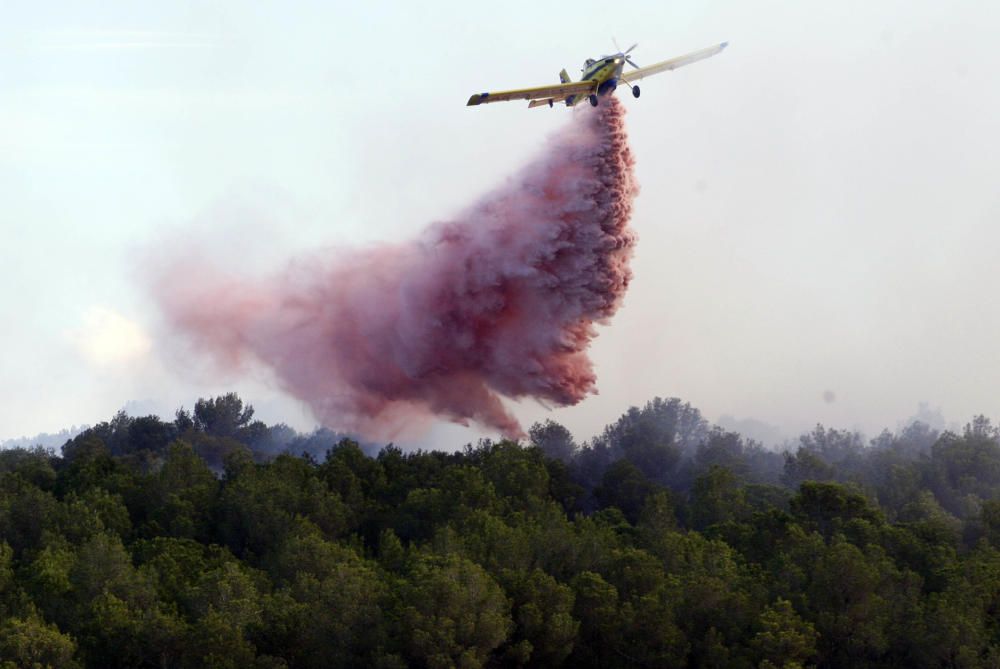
(625, 487)
(223, 416)
(598, 610)
(330, 613)
(34, 466)
(658, 518)
(95, 511)
(355, 477)
(722, 449)
(717, 497)
(8, 580)
(554, 440)
(454, 614)
(543, 617)
(31, 643)
(258, 503)
(26, 512)
(182, 495)
(990, 519)
(849, 605)
(47, 580)
(829, 507)
(215, 642)
(518, 474)
(174, 566)
(964, 470)
(804, 466)
(785, 640)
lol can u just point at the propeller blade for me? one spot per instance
(630, 62)
(630, 48)
(615, 42)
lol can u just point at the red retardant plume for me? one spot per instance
(502, 301)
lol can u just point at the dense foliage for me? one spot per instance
(662, 542)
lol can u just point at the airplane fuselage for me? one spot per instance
(604, 72)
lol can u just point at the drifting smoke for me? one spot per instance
(501, 301)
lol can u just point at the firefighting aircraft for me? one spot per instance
(601, 77)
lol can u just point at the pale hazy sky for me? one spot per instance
(818, 220)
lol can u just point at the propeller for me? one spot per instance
(624, 54)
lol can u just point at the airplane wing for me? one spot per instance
(673, 63)
(557, 91)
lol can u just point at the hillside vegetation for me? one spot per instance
(217, 541)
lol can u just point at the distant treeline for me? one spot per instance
(45, 440)
(214, 540)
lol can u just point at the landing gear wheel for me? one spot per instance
(593, 100)
(635, 91)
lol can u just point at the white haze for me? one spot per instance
(819, 236)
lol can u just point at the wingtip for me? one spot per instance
(724, 45)
(477, 99)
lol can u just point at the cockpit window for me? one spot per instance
(590, 61)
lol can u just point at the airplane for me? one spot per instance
(601, 77)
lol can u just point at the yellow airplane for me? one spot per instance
(601, 77)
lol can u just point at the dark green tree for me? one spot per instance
(453, 614)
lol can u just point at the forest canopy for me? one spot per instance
(215, 540)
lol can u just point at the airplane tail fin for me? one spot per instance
(563, 77)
